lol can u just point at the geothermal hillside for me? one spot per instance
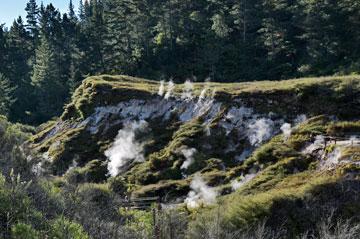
(261, 149)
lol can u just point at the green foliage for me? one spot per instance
(21, 230)
(139, 221)
(265, 39)
(93, 172)
(6, 95)
(63, 228)
(96, 194)
(50, 90)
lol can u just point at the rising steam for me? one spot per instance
(286, 130)
(300, 119)
(200, 194)
(189, 156)
(237, 184)
(125, 149)
(202, 95)
(260, 131)
(170, 89)
(318, 144)
(331, 160)
(161, 88)
(188, 90)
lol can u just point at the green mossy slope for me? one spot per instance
(288, 185)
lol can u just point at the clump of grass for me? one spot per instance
(344, 128)
(352, 153)
(186, 135)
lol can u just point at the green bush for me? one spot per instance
(63, 228)
(118, 185)
(93, 172)
(22, 231)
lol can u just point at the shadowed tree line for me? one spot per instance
(44, 57)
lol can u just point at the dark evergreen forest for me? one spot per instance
(44, 57)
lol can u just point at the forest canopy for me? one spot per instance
(44, 57)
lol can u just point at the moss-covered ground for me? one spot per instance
(288, 189)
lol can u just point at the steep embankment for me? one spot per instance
(273, 142)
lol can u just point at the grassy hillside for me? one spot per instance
(289, 185)
(109, 90)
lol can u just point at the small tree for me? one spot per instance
(21, 230)
(63, 228)
(6, 95)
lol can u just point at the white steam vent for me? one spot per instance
(332, 159)
(318, 144)
(236, 184)
(260, 131)
(200, 194)
(188, 91)
(125, 148)
(161, 88)
(286, 130)
(170, 89)
(189, 156)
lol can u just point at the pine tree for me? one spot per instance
(81, 11)
(46, 79)
(32, 18)
(6, 95)
(3, 52)
(72, 14)
(70, 71)
(19, 53)
(91, 39)
(117, 37)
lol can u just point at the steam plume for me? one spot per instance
(317, 145)
(332, 159)
(237, 184)
(189, 156)
(202, 95)
(286, 130)
(300, 119)
(243, 155)
(200, 193)
(125, 149)
(161, 88)
(188, 89)
(170, 89)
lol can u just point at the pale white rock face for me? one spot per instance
(242, 122)
(260, 130)
(151, 109)
(236, 117)
(317, 145)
